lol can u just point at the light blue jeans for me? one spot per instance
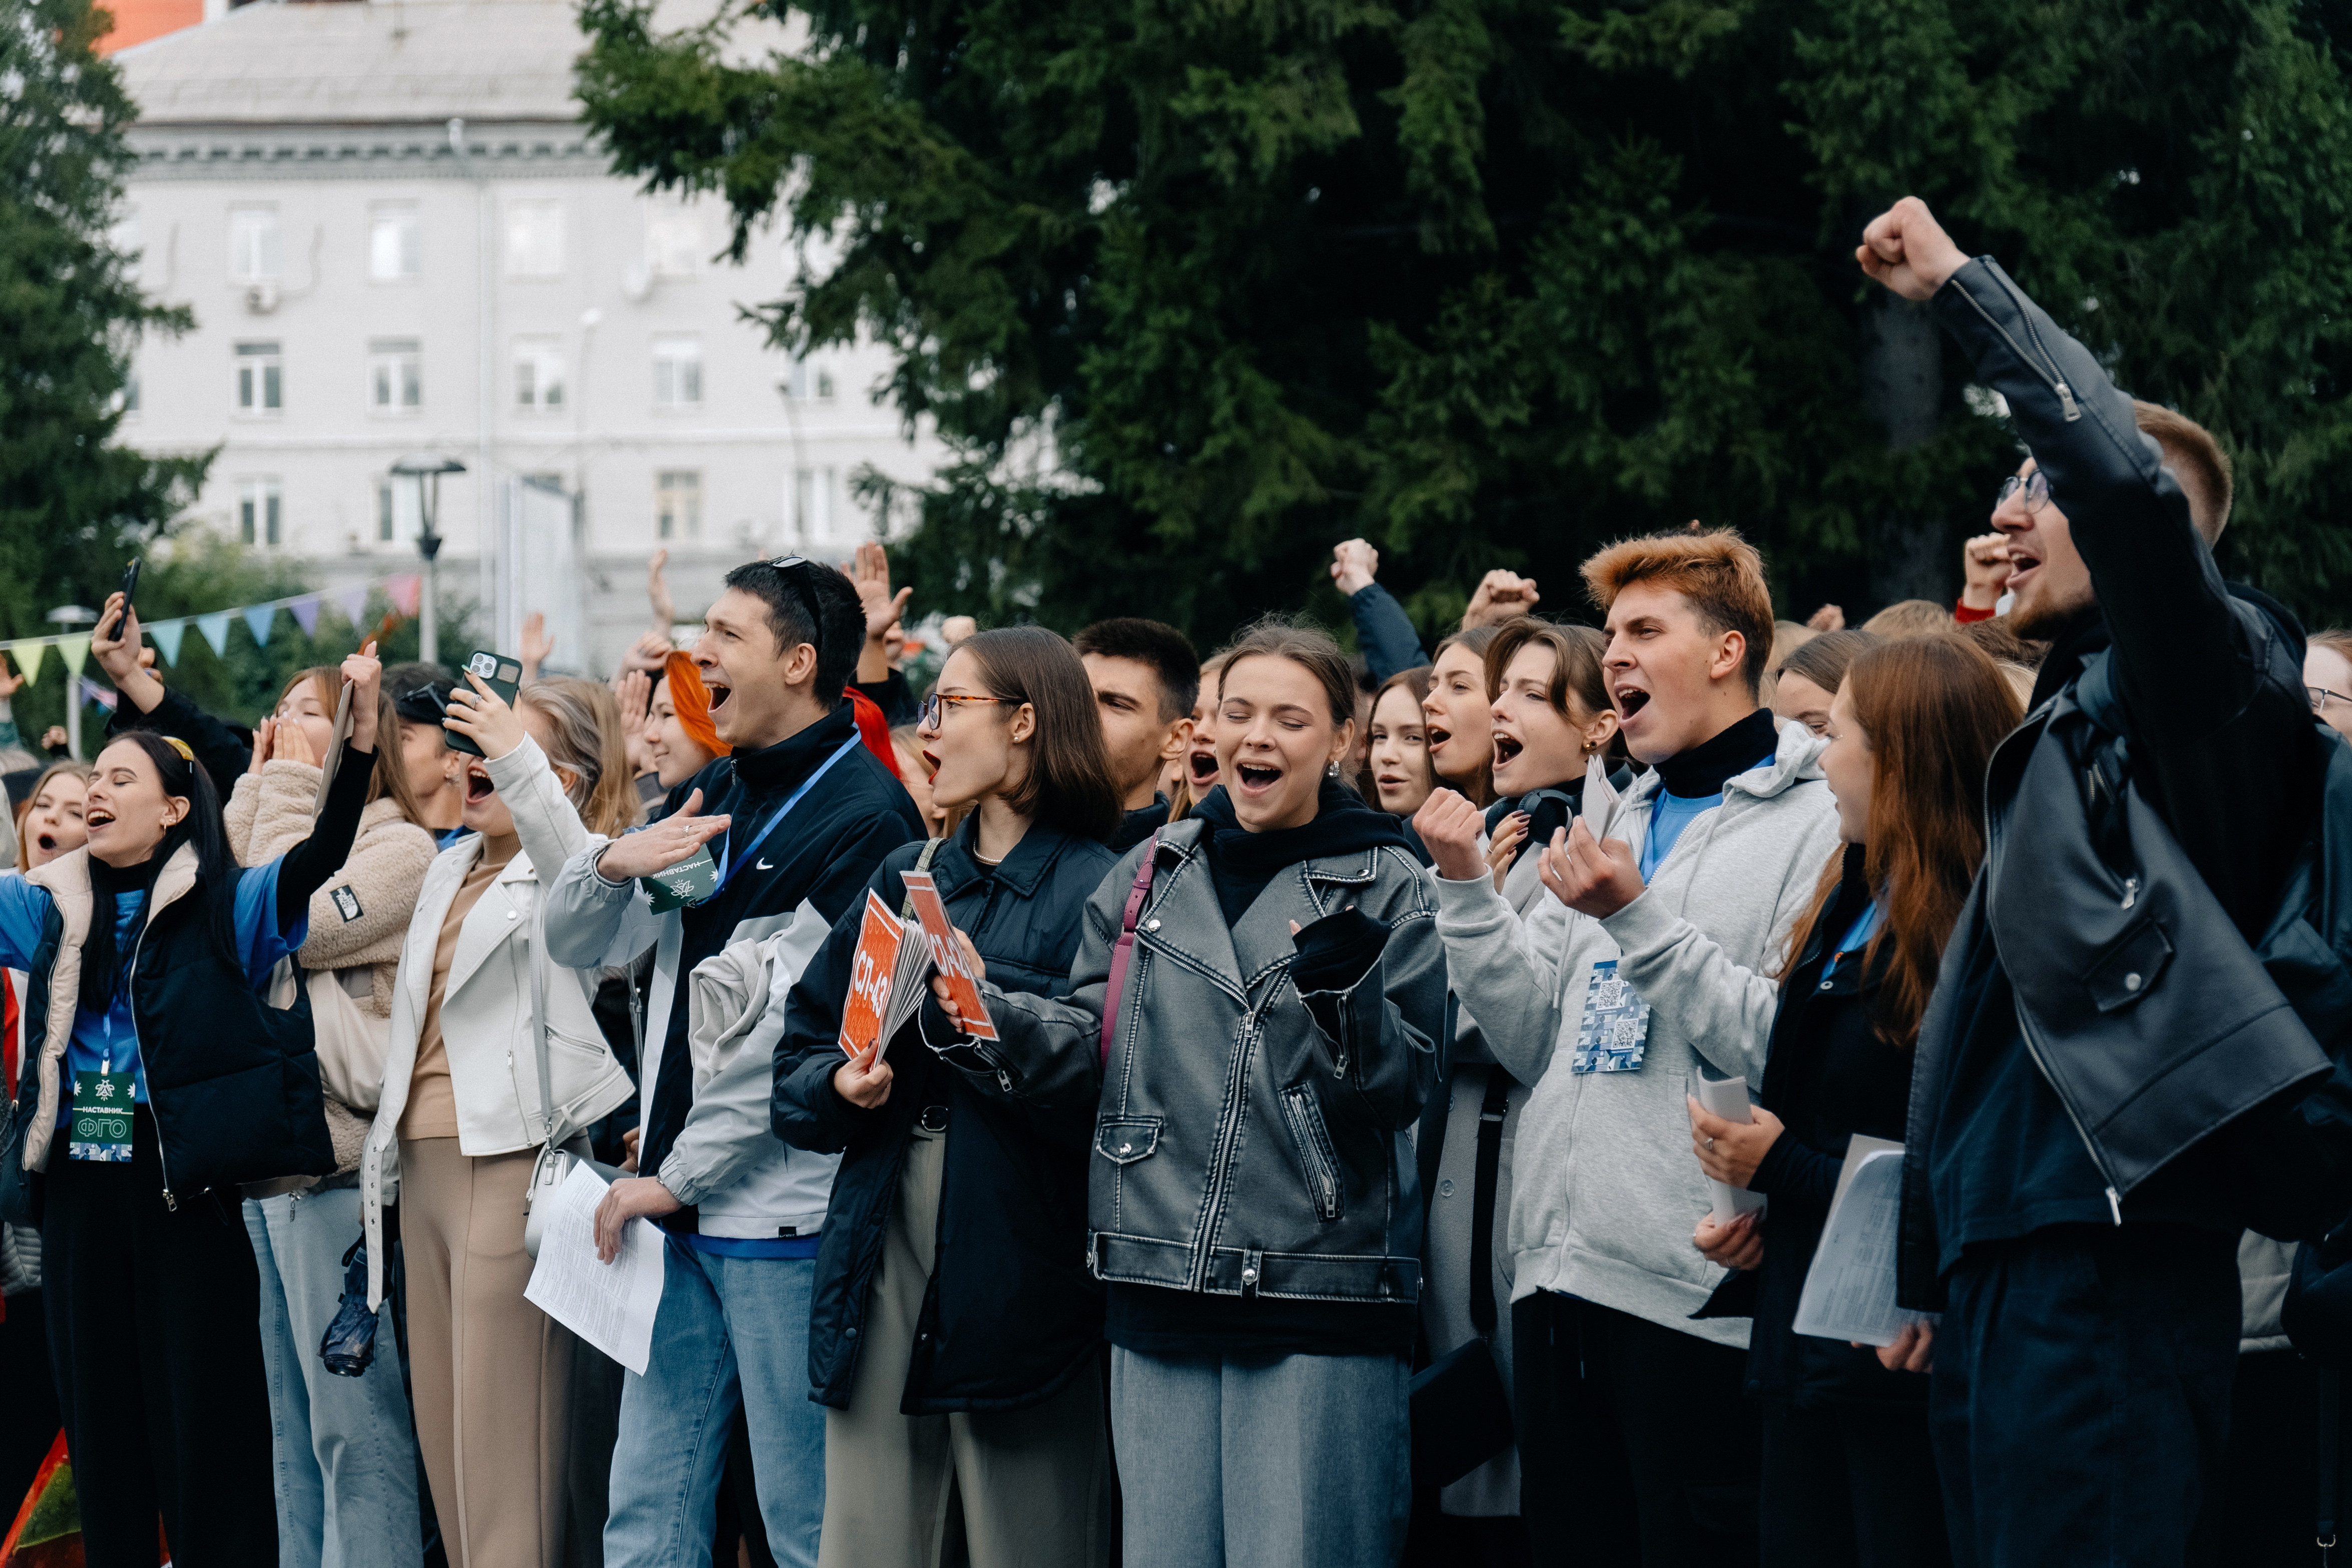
(730, 1331)
(1301, 1462)
(343, 1451)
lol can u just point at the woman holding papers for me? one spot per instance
(461, 1121)
(1849, 1477)
(1255, 1004)
(955, 1336)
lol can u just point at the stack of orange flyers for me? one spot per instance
(947, 955)
(886, 981)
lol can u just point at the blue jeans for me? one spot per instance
(1300, 1462)
(731, 1331)
(343, 1448)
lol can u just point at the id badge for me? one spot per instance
(1616, 1025)
(690, 881)
(102, 1117)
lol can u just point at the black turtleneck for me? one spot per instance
(1241, 863)
(1700, 772)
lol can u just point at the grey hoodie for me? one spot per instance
(1604, 1190)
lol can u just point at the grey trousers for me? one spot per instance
(1302, 1462)
(994, 1489)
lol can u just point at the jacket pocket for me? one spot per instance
(1124, 1140)
(1317, 1157)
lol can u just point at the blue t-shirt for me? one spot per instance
(110, 1042)
(1857, 937)
(1669, 815)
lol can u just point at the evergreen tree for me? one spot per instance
(1197, 289)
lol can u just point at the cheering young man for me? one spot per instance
(2104, 1088)
(1728, 833)
(801, 814)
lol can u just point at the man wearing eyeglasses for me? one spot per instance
(780, 837)
(2105, 1088)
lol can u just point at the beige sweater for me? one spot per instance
(270, 812)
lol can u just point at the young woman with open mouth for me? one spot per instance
(52, 823)
(491, 1374)
(957, 1337)
(1277, 969)
(1398, 760)
(1194, 773)
(153, 953)
(1457, 716)
(345, 1438)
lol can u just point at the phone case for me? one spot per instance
(502, 675)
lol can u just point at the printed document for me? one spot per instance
(947, 955)
(886, 981)
(1849, 1292)
(610, 1305)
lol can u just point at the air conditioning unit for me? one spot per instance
(260, 299)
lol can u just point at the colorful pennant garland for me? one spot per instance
(405, 589)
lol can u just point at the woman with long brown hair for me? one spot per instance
(1849, 1476)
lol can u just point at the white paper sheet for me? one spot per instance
(1849, 1292)
(1727, 1098)
(610, 1305)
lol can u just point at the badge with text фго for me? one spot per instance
(102, 1117)
(1616, 1023)
(690, 881)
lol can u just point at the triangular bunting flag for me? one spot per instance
(258, 619)
(352, 602)
(306, 612)
(167, 635)
(215, 629)
(73, 650)
(27, 657)
(402, 591)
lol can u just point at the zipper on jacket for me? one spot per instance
(2057, 383)
(2114, 1199)
(1228, 1128)
(129, 985)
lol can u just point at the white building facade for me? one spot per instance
(398, 240)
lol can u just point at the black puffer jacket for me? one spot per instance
(1011, 1313)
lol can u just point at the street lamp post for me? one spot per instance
(68, 615)
(426, 470)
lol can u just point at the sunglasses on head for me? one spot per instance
(800, 582)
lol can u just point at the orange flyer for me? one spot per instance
(872, 977)
(947, 957)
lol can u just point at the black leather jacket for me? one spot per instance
(2144, 822)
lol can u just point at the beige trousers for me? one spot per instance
(1020, 1489)
(490, 1372)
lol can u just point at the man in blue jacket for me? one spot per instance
(799, 817)
(2076, 1178)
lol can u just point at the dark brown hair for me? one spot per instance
(1478, 640)
(1309, 646)
(1718, 571)
(1931, 710)
(1069, 783)
(1824, 660)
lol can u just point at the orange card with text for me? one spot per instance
(872, 977)
(947, 957)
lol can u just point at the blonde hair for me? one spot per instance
(1911, 618)
(583, 721)
(1718, 571)
(2197, 462)
(24, 848)
(390, 775)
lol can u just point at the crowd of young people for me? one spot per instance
(1327, 1182)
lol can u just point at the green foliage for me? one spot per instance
(73, 504)
(1492, 282)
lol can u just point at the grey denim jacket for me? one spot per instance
(1247, 1140)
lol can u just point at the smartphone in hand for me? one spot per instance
(130, 588)
(502, 675)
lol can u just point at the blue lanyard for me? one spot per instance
(751, 851)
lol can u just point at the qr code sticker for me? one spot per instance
(1616, 1024)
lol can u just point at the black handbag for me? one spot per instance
(20, 1200)
(1461, 1412)
(349, 1345)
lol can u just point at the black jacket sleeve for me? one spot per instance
(304, 870)
(1384, 633)
(2219, 727)
(225, 755)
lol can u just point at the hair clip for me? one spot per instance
(180, 746)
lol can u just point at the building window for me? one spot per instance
(395, 244)
(534, 239)
(539, 376)
(673, 245)
(678, 373)
(259, 378)
(253, 249)
(398, 514)
(678, 504)
(812, 504)
(809, 381)
(395, 376)
(258, 512)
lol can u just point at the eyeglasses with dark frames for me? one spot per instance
(2321, 696)
(2036, 485)
(935, 704)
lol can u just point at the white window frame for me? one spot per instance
(534, 237)
(540, 376)
(396, 377)
(678, 504)
(812, 503)
(399, 510)
(257, 249)
(396, 243)
(678, 373)
(261, 512)
(259, 373)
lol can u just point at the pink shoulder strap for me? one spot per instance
(1124, 949)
